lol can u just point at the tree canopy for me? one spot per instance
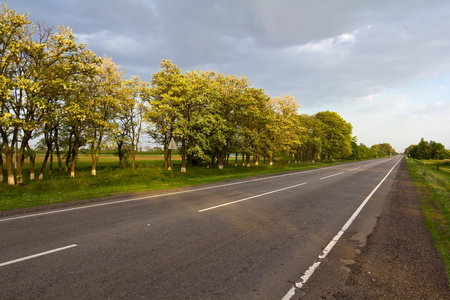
(54, 90)
(427, 150)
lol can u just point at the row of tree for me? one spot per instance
(427, 150)
(55, 90)
(51, 87)
(212, 116)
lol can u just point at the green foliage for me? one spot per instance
(434, 187)
(383, 150)
(336, 136)
(427, 150)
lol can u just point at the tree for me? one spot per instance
(167, 91)
(427, 150)
(423, 150)
(337, 135)
(196, 121)
(312, 145)
(437, 150)
(56, 66)
(130, 119)
(254, 117)
(270, 131)
(14, 33)
(228, 108)
(383, 150)
(106, 98)
(79, 107)
(285, 108)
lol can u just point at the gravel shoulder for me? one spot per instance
(398, 261)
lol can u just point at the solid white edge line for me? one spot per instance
(332, 175)
(252, 197)
(313, 267)
(36, 255)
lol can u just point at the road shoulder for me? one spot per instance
(398, 261)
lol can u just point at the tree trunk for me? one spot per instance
(69, 151)
(95, 155)
(9, 154)
(50, 164)
(9, 167)
(44, 163)
(58, 152)
(47, 154)
(32, 160)
(220, 162)
(133, 156)
(74, 161)
(1, 165)
(257, 160)
(167, 158)
(183, 156)
(19, 167)
(20, 158)
(120, 154)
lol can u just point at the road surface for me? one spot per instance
(245, 239)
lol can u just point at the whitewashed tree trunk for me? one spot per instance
(41, 176)
(32, 176)
(72, 174)
(11, 180)
(94, 172)
(220, 167)
(183, 169)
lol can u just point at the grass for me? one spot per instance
(110, 180)
(432, 181)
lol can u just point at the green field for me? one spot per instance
(432, 181)
(150, 174)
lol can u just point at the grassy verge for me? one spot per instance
(110, 180)
(432, 181)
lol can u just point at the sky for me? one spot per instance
(383, 65)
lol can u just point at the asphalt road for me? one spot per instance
(247, 239)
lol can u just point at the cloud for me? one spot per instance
(368, 60)
(326, 46)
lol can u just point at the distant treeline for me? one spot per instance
(427, 150)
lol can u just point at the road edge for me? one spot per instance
(399, 260)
